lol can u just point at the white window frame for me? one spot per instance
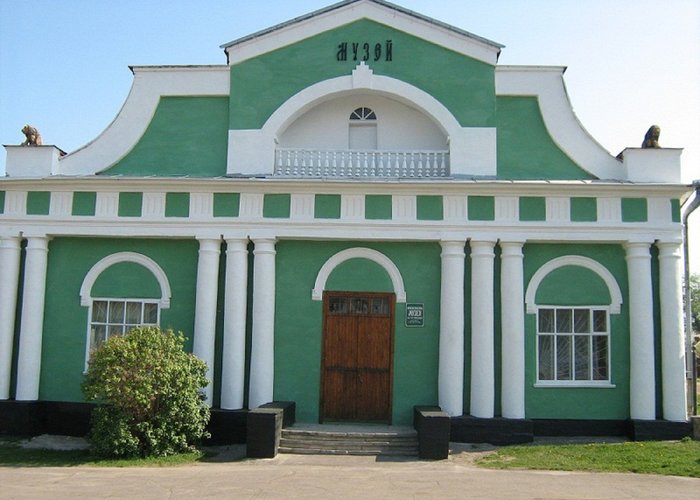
(124, 324)
(573, 382)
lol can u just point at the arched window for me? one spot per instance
(363, 130)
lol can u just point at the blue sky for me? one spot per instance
(631, 63)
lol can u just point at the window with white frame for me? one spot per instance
(109, 317)
(573, 345)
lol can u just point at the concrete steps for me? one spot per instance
(350, 440)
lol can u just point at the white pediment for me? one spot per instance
(343, 13)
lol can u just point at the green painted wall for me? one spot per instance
(130, 204)
(572, 285)
(378, 207)
(524, 148)
(260, 85)
(65, 320)
(298, 321)
(38, 202)
(187, 136)
(84, 203)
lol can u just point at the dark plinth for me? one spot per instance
(433, 428)
(559, 427)
(265, 425)
(227, 427)
(67, 419)
(658, 430)
(498, 431)
(22, 418)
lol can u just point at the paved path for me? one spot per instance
(296, 476)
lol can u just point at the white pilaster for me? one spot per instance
(482, 372)
(235, 304)
(451, 362)
(205, 308)
(641, 307)
(9, 275)
(512, 331)
(672, 337)
(262, 355)
(32, 319)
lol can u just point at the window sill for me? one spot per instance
(575, 385)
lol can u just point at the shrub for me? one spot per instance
(149, 394)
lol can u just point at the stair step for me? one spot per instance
(349, 441)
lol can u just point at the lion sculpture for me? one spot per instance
(33, 138)
(651, 138)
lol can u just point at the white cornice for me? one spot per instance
(343, 13)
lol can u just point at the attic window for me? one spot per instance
(363, 114)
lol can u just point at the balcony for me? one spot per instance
(292, 162)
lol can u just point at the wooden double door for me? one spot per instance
(357, 365)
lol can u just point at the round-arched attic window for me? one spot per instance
(363, 114)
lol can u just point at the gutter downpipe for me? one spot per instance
(690, 354)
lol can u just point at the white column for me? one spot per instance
(32, 319)
(235, 304)
(641, 313)
(205, 308)
(512, 331)
(672, 336)
(262, 355)
(451, 362)
(9, 276)
(482, 372)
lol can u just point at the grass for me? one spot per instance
(670, 458)
(13, 455)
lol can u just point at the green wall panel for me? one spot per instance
(276, 206)
(532, 208)
(675, 210)
(130, 204)
(260, 85)
(118, 280)
(572, 285)
(634, 209)
(65, 320)
(187, 136)
(429, 207)
(480, 207)
(84, 203)
(524, 147)
(378, 207)
(38, 202)
(298, 320)
(177, 204)
(327, 206)
(2, 202)
(584, 210)
(226, 204)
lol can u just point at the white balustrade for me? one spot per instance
(291, 162)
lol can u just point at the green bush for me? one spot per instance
(149, 394)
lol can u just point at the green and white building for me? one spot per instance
(361, 211)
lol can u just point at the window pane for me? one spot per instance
(150, 314)
(600, 357)
(115, 330)
(359, 306)
(600, 321)
(546, 357)
(380, 306)
(338, 305)
(563, 357)
(133, 313)
(582, 320)
(563, 320)
(97, 336)
(99, 311)
(582, 357)
(546, 321)
(116, 312)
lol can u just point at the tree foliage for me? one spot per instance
(149, 394)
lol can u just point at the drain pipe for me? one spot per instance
(690, 355)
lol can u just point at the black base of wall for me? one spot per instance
(32, 418)
(659, 430)
(498, 431)
(556, 427)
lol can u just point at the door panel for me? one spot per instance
(357, 357)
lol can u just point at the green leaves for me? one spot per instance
(149, 390)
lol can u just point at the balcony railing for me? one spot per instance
(361, 163)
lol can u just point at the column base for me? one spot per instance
(658, 430)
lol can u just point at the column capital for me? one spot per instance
(452, 248)
(236, 245)
(10, 242)
(669, 249)
(482, 248)
(511, 249)
(637, 250)
(264, 246)
(38, 243)
(209, 245)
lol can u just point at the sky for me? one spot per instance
(64, 65)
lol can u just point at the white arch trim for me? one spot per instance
(115, 258)
(574, 260)
(359, 253)
(472, 149)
